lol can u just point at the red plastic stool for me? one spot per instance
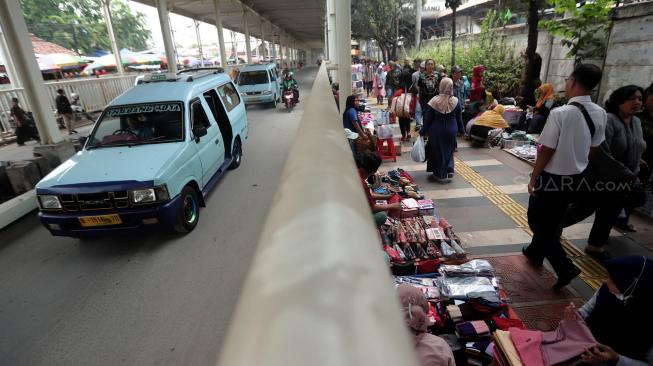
(388, 153)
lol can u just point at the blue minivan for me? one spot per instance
(151, 158)
(260, 84)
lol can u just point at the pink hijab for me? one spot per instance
(431, 350)
(444, 102)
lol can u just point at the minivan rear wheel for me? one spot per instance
(188, 213)
(236, 154)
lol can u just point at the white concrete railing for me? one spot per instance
(318, 291)
(94, 94)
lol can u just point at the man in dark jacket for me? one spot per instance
(65, 110)
(24, 129)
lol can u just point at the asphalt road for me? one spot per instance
(143, 299)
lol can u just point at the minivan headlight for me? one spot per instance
(149, 195)
(49, 202)
(143, 195)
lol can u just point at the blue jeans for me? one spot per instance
(418, 115)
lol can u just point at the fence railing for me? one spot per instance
(318, 291)
(94, 94)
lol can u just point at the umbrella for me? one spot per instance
(64, 61)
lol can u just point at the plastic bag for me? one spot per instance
(384, 132)
(418, 153)
(401, 105)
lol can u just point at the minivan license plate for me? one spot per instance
(101, 220)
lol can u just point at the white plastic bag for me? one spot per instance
(418, 153)
(384, 132)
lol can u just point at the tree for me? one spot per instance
(79, 24)
(533, 61)
(385, 21)
(453, 5)
(583, 31)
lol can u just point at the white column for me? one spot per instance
(263, 48)
(281, 42)
(106, 7)
(9, 64)
(331, 21)
(248, 47)
(418, 24)
(218, 25)
(27, 70)
(274, 44)
(343, 19)
(199, 41)
(164, 21)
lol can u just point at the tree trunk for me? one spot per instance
(453, 37)
(533, 62)
(418, 24)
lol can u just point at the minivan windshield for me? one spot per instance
(138, 124)
(253, 77)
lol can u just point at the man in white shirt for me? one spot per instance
(567, 140)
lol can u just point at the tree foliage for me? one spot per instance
(377, 20)
(79, 24)
(489, 48)
(584, 31)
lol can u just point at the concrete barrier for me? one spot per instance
(23, 176)
(17, 207)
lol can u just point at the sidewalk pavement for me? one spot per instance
(486, 203)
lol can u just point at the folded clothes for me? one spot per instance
(480, 327)
(506, 323)
(476, 267)
(460, 287)
(489, 298)
(454, 313)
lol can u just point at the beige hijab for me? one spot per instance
(444, 102)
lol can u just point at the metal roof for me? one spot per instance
(301, 19)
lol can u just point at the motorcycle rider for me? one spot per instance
(289, 83)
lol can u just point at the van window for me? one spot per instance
(253, 77)
(272, 76)
(198, 116)
(229, 96)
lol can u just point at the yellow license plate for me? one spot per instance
(102, 220)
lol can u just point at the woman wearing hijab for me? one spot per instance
(545, 102)
(487, 122)
(379, 85)
(478, 89)
(619, 314)
(441, 118)
(431, 349)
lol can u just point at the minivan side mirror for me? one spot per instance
(199, 131)
(82, 140)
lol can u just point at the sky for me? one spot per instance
(184, 30)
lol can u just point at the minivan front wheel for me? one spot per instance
(188, 213)
(273, 103)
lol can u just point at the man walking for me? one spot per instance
(571, 131)
(65, 110)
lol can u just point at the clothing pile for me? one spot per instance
(466, 306)
(525, 152)
(563, 346)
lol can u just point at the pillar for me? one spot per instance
(27, 70)
(106, 7)
(263, 48)
(164, 20)
(343, 19)
(281, 55)
(199, 41)
(331, 22)
(274, 45)
(218, 25)
(248, 47)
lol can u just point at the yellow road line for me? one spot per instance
(592, 272)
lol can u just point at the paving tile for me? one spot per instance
(544, 317)
(466, 154)
(477, 218)
(499, 237)
(463, 202)
(514, 188)
(618, 246)
(422, 178)
(521, 198)
(483, 162)
(500, 175)
(443, 194)
(503, 249)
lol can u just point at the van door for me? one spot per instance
(235, 109)
(209, 147)
(276, 87)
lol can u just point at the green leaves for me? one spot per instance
(79, 24)
(489, 48)
(584, 33)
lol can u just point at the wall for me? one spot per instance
(629, 58)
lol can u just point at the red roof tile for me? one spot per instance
(43, 47)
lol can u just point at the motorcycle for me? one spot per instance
(289, 100)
